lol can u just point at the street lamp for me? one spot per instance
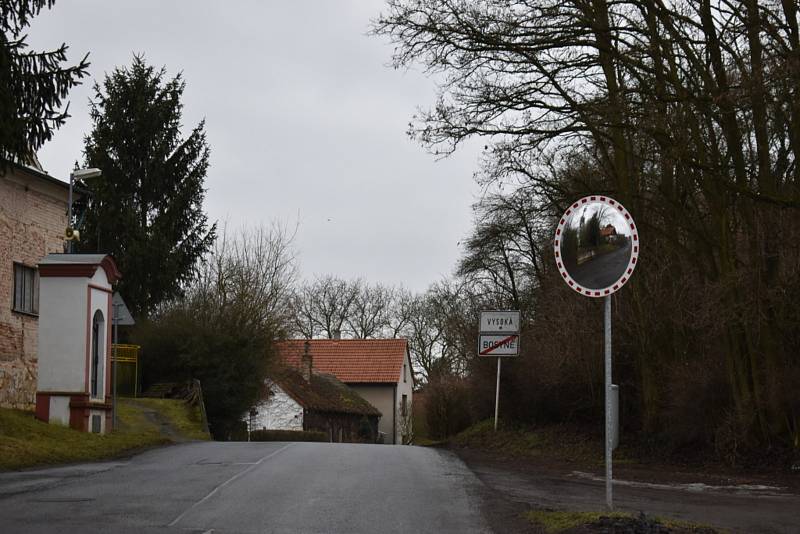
(79, 174)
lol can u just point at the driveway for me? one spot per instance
(250, 487)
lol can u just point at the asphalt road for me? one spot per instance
(250, 487)
(603, 270)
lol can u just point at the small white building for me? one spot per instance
(276, 411)
(74, 382)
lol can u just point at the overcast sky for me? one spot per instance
(304, 119)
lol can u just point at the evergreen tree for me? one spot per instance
(32, 84)
(146, 208)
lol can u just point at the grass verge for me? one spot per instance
(27, 442)
(557, 521)
(553, 442)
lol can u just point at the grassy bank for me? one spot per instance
(27, 442)
(183, 419)
(554, 442)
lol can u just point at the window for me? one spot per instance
(404, 373)
(26, 289)
(404, 406)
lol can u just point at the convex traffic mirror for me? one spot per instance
(596, 246)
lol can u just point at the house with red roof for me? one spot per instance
(379, 370)
(312, 401)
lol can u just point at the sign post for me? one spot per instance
(596, 248)
(499, 336)
(121, 316)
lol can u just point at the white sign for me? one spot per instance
(122, 316)
(500, 322)
(498, 345)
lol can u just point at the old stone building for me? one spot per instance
(309, 400)
(33, 217)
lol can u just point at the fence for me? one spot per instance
(127, 358)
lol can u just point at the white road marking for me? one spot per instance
(219, 487)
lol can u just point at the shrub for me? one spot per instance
(287, 435)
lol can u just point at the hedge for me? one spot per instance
(287, 435)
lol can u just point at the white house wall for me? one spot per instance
(405, 386)
(279, 412)
(62, 334)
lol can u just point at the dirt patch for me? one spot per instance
(164, 425)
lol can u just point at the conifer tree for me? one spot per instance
(32, 84)
(146, 208)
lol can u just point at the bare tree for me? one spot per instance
(370, 313)
(322, 307)
(686, 111)
(250, 274)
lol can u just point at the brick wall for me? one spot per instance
(32, 221)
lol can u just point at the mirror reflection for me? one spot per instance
(596, 245)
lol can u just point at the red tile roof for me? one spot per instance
(350, 360)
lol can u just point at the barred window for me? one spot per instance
(26, 289)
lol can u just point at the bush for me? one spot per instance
(287, 435)
(447, 407)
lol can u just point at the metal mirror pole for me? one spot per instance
(609, 498)
(497, 394)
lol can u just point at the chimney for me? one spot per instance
(307, 362)
(336, 334)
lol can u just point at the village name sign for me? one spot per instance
(499, 333)
(498, 336)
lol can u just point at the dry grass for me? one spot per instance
(554, 442)
(185, 419)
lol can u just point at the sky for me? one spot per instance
(305, 119)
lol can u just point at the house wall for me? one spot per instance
(405, 386)
(279, 412)
(380, 396)
(388, 400)
(32, 221)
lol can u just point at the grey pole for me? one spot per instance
(114, 370)
(609, 497)
(497, 394)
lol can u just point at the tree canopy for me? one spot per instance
(147, 207)
(32, 84)
(688, 112)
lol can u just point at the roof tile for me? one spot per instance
(352, 361)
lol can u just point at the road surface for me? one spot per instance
(603, 270)
(250, 487)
